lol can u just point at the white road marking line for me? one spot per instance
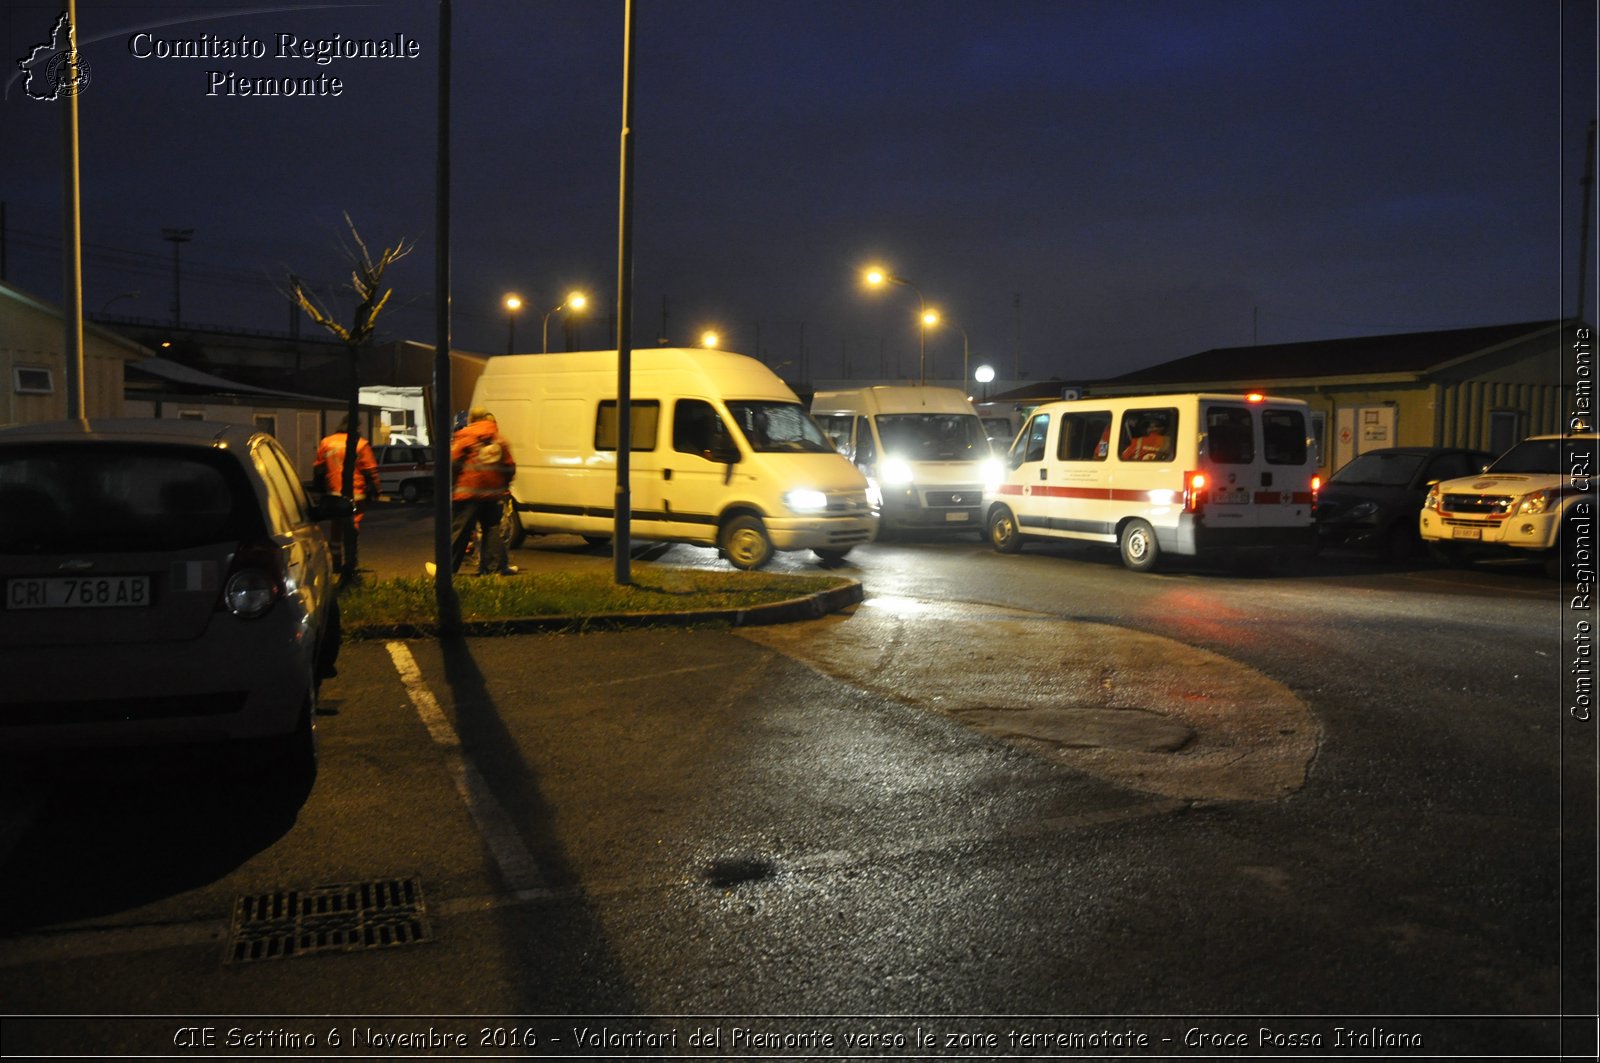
(517, 866)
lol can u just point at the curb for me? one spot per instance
(809, 607)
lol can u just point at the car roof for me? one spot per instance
(132, 430)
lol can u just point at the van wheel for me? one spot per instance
(409, 491)
(745, 543)
(831, 557)
(1003, 533)
(1138, 543)
(1450, 555)
(511, 530)
(596, 541)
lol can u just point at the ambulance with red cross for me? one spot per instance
(1206, 476)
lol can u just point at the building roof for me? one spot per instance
(189, 380)
(127, 348)
(1414, 353)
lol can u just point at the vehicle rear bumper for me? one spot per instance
(70, 697)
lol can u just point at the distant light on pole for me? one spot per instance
(512, 302)
(983, 375)
(877, 277)
(709, 338)
(575, 300)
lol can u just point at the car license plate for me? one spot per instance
(77, 592)
(1466, 533)
(959, 514)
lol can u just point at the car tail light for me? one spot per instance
(255, 581)
(1194, 492)
(1316, 488)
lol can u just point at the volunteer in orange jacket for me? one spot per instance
(328, 476)
(482, 467)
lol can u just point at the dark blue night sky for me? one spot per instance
(1086, 186)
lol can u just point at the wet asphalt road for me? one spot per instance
(1002, 787)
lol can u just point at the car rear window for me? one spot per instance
(121, 497)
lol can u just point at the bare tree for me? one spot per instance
(366, 281)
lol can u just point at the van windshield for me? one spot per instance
(779, 427)
(933, 436)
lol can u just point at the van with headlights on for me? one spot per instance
(1202, 476)
(721, 454)
(923, 448)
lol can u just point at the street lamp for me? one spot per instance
(177, 237)
(877, 277)
(932, 318)
(983, 375)
(709, 338)
(574, 300)
(512, 302)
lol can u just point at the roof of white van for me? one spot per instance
(895, 398)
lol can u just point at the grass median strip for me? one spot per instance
(575, 594)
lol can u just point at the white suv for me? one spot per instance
(1516, 504)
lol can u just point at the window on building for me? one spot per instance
(33, 380)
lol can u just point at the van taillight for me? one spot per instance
(255, 581)
(1316, 487)
(1194, 492)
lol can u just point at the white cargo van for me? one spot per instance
(1516, 507)
(1187, 475)
(723, 454)
(923, 448)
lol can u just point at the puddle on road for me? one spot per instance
(1129, 707)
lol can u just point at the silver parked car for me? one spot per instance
(165, 582)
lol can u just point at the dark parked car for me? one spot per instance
(165, 582)
(405, 470)
(1373, 501)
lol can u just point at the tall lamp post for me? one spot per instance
(574, 300)
(512, 302)
(710, 338)
(931, 318)
(877, 278)
(178, 237)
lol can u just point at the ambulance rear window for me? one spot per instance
(1230, 435)
(1283, 437)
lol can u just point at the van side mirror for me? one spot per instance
(723, 453)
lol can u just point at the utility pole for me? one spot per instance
(1016, 347)
(178, 237)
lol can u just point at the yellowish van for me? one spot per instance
(722, 453)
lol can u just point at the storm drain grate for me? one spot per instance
(348, 917)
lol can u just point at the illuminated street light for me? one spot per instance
(709, 338)
(574, 301)
(512, 302)
(932, 317)
(983, 375)
(877, 277)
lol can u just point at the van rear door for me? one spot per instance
(1256, 464)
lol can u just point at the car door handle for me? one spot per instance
(1044, 474)
(666, 474)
